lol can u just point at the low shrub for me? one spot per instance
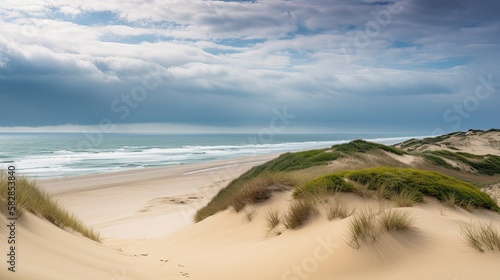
(362, 146)
(402, 182)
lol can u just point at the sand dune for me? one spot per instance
(228, 246)
(473, 141)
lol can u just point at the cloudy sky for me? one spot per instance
(410, 66)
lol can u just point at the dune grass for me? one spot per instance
(260, 189)
(338, 210)
(403, 183)
(241, 192)
(395, 220)
(293, 161)
(366, 226)
(482, 237)
(30, 198)
(279, 174)
(272, 219)
(285, 164)
(362, 228)
(298, 213)
(254, 190)
(406, 197)
(362, 190)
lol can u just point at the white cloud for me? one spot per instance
(302, 52)
(69, 10)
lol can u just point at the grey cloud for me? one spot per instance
(305, 58)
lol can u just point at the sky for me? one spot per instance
(409, 66)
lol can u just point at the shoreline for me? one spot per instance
(128, 204)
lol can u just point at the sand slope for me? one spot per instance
(45, 251)
(228, 246)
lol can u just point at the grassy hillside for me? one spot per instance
(394, 183)
(295, 171)
(361, 146)
(486, 164)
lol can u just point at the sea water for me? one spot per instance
(49, 155)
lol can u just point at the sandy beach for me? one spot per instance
(145, 219)
(146, 203)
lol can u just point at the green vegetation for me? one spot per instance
(409, 143)
(294, 161)
(397, 181)
(361, 146)
(487, 164)
(248, 188)
(298, 213)
(281, 174)
(436, 160)
(254, 185)
(331, 183)
(471, 156)
(482, 237)
(30, 198)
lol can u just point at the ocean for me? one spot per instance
(51, 155)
